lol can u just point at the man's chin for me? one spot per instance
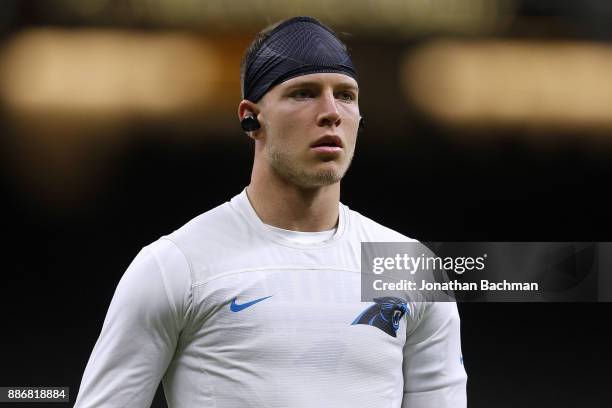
(319, 178)
(312, 175)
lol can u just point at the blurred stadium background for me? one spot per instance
(486, 120)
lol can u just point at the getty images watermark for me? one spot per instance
(459, 265)
(488, 271)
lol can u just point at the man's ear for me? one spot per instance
(247, 108)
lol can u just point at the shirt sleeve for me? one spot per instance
(149, 309)
(434, 375)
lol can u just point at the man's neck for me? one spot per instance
(284, 205)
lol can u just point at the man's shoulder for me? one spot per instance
(205, 224)
(207, 242)
(218, 227)
(373, 231)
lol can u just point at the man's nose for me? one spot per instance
(329, 115)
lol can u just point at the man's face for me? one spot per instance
(310, 128)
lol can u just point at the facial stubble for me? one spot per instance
(297, 173)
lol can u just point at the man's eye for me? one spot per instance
(347, 96)
(302, 94)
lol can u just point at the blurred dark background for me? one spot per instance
(487, 120)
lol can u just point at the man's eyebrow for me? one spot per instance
(314, 84)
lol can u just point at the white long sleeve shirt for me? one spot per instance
(229, 313)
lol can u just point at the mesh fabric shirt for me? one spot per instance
(226, 313)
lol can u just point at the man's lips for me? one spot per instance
(327, 144)
(326, 149)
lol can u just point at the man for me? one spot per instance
(253, 303)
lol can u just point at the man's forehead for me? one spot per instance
(321, 79)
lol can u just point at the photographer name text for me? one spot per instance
(454, 285)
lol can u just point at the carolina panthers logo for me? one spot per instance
(385, 314)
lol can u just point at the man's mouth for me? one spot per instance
(327, 144)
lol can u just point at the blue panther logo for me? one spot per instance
(385, 314)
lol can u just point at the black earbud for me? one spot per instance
(249, 123)
(361, 124)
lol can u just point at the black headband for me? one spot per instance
(298, 46)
